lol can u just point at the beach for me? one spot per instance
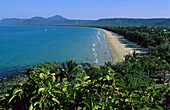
(119, 46)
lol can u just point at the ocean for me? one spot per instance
(25, 46)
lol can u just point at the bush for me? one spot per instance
(77, 89)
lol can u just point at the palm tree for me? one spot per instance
(71, 69)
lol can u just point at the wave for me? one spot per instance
(95, 55)
(94, 45)
(98, 32)
(93, 49)
(99, 41)
(96, 60)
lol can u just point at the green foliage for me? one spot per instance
(132, 72)
(80, 88)
(156, 39)
(155, 65)
(125, 85)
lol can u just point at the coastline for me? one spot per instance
(119, 46)
(116, 48)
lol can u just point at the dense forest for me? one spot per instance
(155, 39)
(127, 85)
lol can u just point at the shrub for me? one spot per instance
(46, 90)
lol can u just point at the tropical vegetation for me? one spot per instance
(126, 85)
(155, 39)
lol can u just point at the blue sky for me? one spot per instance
(85, 9)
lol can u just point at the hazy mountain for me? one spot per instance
(56, 18)
(33, 21)
(133, 22)
(10, 20)
(59, 20)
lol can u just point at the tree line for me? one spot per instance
(155, 39)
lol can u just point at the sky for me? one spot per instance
(85, 9)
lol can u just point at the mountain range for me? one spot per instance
(59, 20)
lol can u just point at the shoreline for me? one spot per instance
(119, 46)
(116, 48)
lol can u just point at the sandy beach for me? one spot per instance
(119, 46)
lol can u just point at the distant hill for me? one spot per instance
(33, 21)
(134, 22)
(10, 20)
(59, 20)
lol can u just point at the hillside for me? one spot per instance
(158, 22)
(59, 20)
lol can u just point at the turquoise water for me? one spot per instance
(24, 46)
